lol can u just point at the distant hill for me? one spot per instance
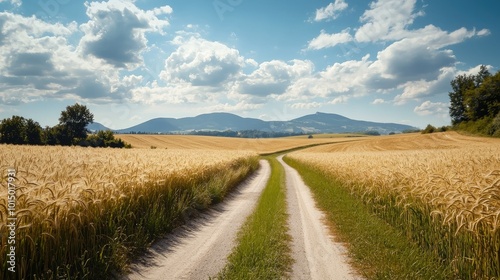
(314, 123)
(96, 127)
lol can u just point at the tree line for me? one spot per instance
(475, 102)
(71, 130)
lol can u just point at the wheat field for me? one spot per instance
(442, 190)
(261, 145)
(82, 211)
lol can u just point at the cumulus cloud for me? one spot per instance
(430, 108)
(200, 62)
(273, 77)
(325, 40)
(387, 20)
(408, 60)
(30, 70)
(338, 79)
(331, 11)
(415, 90)
(116, 31)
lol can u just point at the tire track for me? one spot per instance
(199, 249)
(316, 255)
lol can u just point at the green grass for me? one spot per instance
(378, 250)
(263, 250)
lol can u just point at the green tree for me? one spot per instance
(484, 101)
(12, 130)
(481, 76)
(73, 123)
(33, 132)
(50, 135)
(460, 86)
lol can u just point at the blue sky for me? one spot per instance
(130, 61)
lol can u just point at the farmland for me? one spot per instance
(261, 146)
(85, 211)
(441, 190)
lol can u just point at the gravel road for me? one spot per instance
(199, 249)
(316, 254)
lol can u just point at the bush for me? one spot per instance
(482, 126)
(495, 126)
(372, 133)
(104, 139)
(429, 129)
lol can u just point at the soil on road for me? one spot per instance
(316, 254)
(199, 249)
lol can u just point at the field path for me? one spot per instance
(198, 250)
(316, 255)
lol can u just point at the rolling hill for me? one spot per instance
(313, 123)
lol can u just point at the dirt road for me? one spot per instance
(316, 255)
(199, 249)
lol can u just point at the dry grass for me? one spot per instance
(263, 146)
(82, 211)
(442, 190)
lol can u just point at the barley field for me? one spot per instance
(442, 190)
(84, 212)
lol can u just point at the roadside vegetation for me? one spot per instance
(85, 213)
(263, 250)
(377, 250)
(440, 192)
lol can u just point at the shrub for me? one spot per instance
(429, 129)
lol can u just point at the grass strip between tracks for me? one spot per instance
(263, 250)
(377, 250)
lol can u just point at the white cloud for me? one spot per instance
(340, 99)
(274, 77)
(483, 32)
(411, 59)
(202, 63)
(308, 105)
(325, 40)
(378, 101)
(386, 20)
(116, 31)
(339, 79)
(474, 70)
(415, 90)
(37, 61)
(331, 11)
(239, 107)
(429, 108)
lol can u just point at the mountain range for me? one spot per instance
(313, 123)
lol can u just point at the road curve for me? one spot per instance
(199, 249)
(316, 255)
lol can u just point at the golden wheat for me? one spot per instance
(83, 207)
(263, 145)
(446, 184)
